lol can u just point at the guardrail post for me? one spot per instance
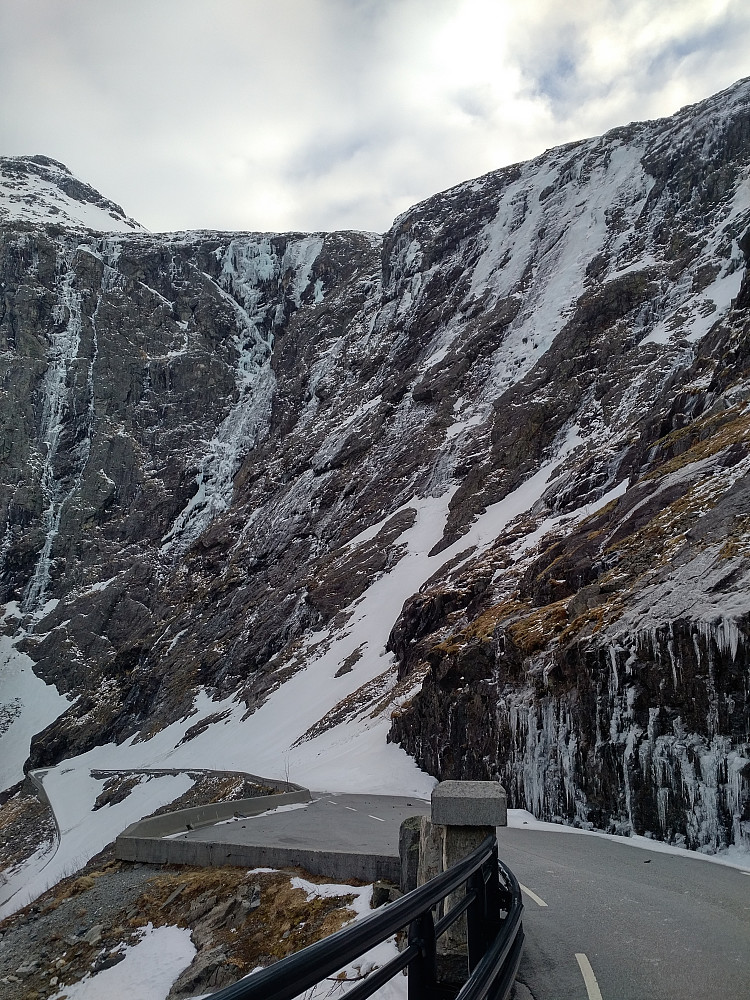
(468, 812)
(476, 919)
(422, 970)
(495, 902)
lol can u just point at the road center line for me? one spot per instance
(532, 895)
(376, 817)
(350, 808)
(592, 987)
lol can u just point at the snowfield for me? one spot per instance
(27, 706)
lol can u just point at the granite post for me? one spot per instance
(467, 812)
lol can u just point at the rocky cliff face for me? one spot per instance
(512, 433)
(602, 674)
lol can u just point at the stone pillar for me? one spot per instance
(430, 850)
(409, 853)
(467, 812)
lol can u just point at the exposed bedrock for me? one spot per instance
(646, 735)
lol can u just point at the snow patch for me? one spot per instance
(148, 970)
(27, 706)
(72, 793)
(732, 857)
(33, 192)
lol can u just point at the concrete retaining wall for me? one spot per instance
(333, 864)
(35, 777)
(141, 841)
(182, 820)
(150, 841)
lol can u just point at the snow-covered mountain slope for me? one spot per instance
(477, 485)
(40, 191)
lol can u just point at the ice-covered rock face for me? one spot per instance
(485, 475)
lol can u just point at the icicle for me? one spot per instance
(56, 398)
(248, 266)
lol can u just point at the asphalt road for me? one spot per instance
(651, 926)
(620, 922)
(364, 824)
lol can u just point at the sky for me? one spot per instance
(307, 115)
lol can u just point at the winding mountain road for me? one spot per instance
(362, 824)
(604, 919)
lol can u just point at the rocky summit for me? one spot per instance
(485, 479)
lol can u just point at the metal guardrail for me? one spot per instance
(494, 941)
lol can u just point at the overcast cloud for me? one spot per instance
(335, 114)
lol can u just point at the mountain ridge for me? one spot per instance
(39, 190)
(241, 461)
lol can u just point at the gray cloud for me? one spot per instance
(323, 114)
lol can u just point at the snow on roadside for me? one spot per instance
(352, 974)
(376, 957)
(152, 965)
(242, 818)
(27, 706)
(72, 793)
(147, 971)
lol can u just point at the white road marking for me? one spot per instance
(350, 808)
(532, 895)
(332, 803)
(742, 870)
(592, 987)
(376, 817)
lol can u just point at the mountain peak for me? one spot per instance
(43, 191)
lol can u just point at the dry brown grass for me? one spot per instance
(717, 432)
(739, 543)
(483, 627)
(536, 630)
(592, 620)
(285, 921)
(529, 629)
(480, 629)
